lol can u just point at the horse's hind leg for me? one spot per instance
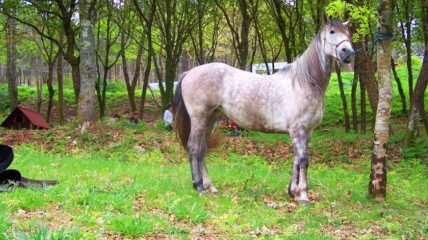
(298, 188)
(196, 146)
(202, 165)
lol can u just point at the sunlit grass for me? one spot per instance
(143, 198)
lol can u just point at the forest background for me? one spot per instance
(138, 42)
(94, 46)
(94, 43)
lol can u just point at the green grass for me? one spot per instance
(142, 198)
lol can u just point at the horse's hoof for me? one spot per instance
(304, 202)
(201, 190)
(213, 190)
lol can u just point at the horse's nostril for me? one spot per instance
(344, 50)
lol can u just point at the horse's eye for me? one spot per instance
(332, 31)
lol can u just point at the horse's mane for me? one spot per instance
(312, 69)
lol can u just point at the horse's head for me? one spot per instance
(337, 40)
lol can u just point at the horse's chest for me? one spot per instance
(313, 113)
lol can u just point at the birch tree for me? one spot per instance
(378, 174)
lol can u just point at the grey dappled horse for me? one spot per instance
(289, 101)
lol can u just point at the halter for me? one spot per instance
(335, 46)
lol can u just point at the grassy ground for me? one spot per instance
(119, 182)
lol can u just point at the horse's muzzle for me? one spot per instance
(347, 54)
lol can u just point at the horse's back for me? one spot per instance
(266, 103)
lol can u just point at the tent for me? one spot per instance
(21, 118)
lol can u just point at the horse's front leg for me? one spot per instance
(298, 188)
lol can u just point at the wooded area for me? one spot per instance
(94, 42)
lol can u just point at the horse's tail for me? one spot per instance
(181, 116)
(182, 121)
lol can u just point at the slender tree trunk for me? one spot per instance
(148, 18)
(131, 83)
(86, 106)
(416, 104)
(60, 81)
(363, 108)
(39, 84)
(424, 117)
(11, 60)
(37, 64)
(51, 90)
(406, 35)
(400, 88)
(344, 102)
(417, 101)
(378, 174)
(76, 75)
(354, 100)
(367, 77)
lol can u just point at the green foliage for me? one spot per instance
(26, 92)
(417, 150)
(37, 232)
(5, 224)
(116, 87)
(132, 225)
(362, 16)
(416, 61)
(4, 97)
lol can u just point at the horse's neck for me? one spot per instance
(315, 67)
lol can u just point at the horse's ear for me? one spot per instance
(347, 22)
(325, 18)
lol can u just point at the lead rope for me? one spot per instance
(379, 38)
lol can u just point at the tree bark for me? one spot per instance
(60, 81)
(378, 174)
(11, 60)
(363, 108)
(354, 100)
(367, 76)
(344, 102)
(400, 88)
(148, 19)
(86, 106)
(406, 35)
(417, 100)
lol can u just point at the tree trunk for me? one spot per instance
(51, 90)
(60, 81)
(354, 100)
(367, 77)
(406, 35)
(39, 85)
(363, 111)
(86, 106)
(400, 88)
(378, 174)
(148, 18)
(417, 100)
(11, 60)
(344, 102)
